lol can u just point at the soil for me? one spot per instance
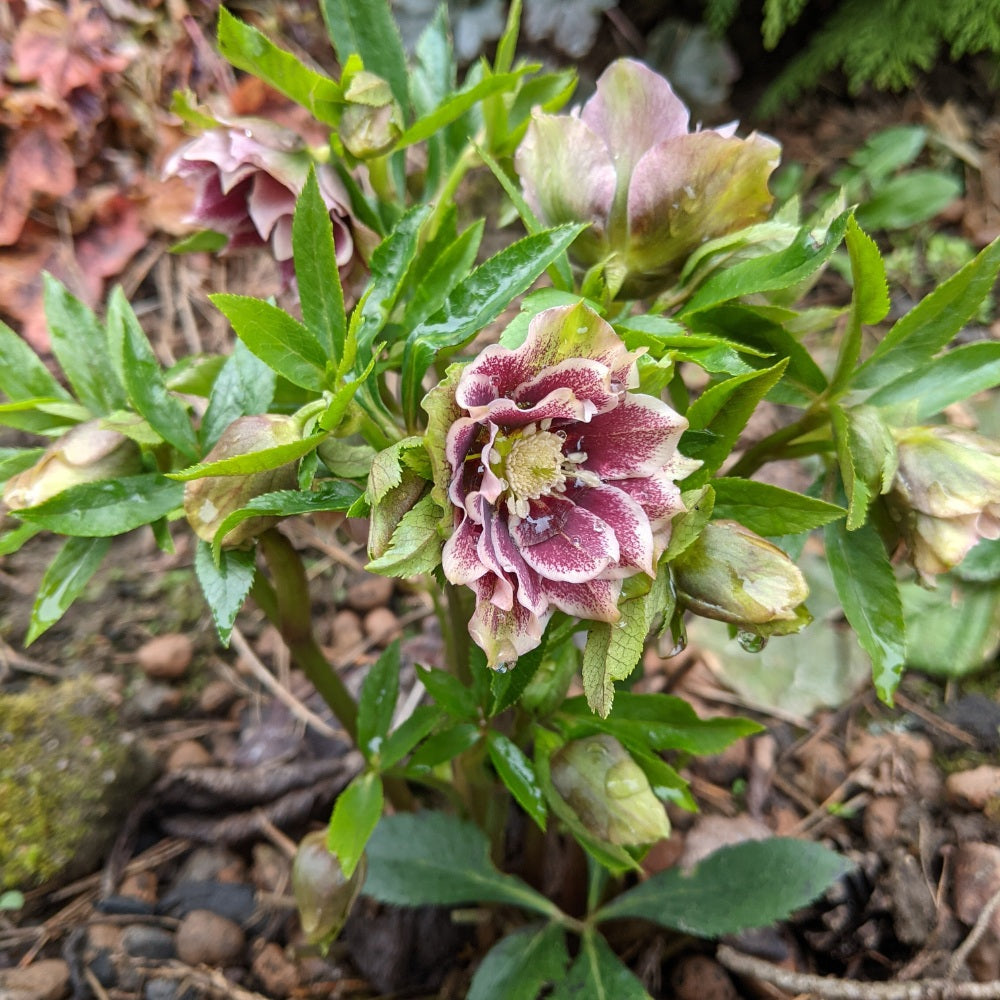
(192, 897)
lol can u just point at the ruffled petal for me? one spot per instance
(595, 599)
(580, 550)
(504, 635)
(636, 438)
(626, 519)
(460, 556)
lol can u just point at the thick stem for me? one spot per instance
(771, 448)
(454, 618)
(288, 606)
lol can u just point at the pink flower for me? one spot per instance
(652, 190)
(249, 176)
(560, 480)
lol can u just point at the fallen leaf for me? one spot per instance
(37, 164)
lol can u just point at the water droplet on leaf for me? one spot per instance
(750, 642)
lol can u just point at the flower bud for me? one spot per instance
(323, 894)
(946, 494)
(372, 121)
(86, 454)
(735, 576)
(608, 791)
(209, 501)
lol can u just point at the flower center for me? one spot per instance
(534, 465)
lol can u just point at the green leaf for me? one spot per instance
(386, 469)
(251, 461)
(869, 301)
(248, 49)
(752, 884)
(666, 783)
(377, 702)
(444, 746)
(982, 564)
(144, 379)
(456, 104)
(109, 507)
(15, 460)
(521, 964)
(206, 241)
(316, 272)
(433, 858)
(477, 301)
(64, 581)
(770, 510)
(408, 734)
(225, 583)
(599, 974)
(508, 687)
(81, 348)
(724, 410)
(415, 546)
(611, 654)
(433, 75)
(909, 199)
(280, 341)
(774, 271)
(951, 378)
(11, 541)
(244, 386)
(518, 774)
(355, 816)
(932, 323)
(23, 375)
(866, 585)
(449, 692)
(689, 524)
(287, 503)
(367, 27)
(658, 722)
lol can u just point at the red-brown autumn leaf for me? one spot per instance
(37, 164)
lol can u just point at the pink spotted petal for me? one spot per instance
(460, 557)
(579, 551)
(657, 494)
(596, 599)
(626, 519)
(529, 586)
(589, 381)
(504, 635)
(635, 439)
(560, 404)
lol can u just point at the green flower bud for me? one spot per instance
(86, 454)
(322, 893)
(946, 494)
(373, 120)
(608, 791)
(735, 576)
(209, 501)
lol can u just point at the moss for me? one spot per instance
(67, 777)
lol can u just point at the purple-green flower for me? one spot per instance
(561, 481)
(946, 494)
(652, 190)
(248, 177)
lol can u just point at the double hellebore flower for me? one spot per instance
(248, 176)
(86, 454)
(560, 480)
(946, 494)
(653, 191)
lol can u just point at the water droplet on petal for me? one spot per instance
(501, 668)
(248, 133)
(560, 434)
(750, 642)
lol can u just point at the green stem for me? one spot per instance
(288, 605)
(445, 194)
(771, 448)
(454, 619)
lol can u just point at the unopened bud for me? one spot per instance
(732, 575)
(210, 500)
(323, 894)
(946, 494)
(372, 121)
(86, 454)
(608, 791)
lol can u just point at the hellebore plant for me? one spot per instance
(562, 486)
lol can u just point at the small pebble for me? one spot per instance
(188, 753)
(369, 591)
(166, 657)
(276, 973)
(381, 625)
(232, 900)
(698, 977)
(974, 788)
(975, 880)
(881, 820)
(216, 697)
(824, 767)
(206, 938)
(148, 941)
(46, 979)
(160, 989)
(271, 869)
(155, 701)
(345, 630)
(102, 965)
(141, 885)
(104, 937)
(207, 864)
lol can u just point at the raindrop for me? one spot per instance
(248, 133)
(480, 468)
(750, 642)
(575, 539)
(560, 434)
(501, 668)
(678, 647)
(689, 191)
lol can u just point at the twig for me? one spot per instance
(979, 928)
(300, 711)
(211, 981)
(831, 988)
(931, 719)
